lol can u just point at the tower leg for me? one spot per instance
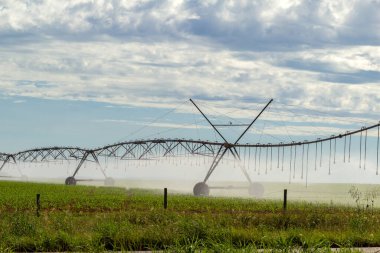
(241, 166)
(201, 188)
(254, 189)
(71, 180)
(5, 162)
(80, 164)
(108, 181)
(215, 162)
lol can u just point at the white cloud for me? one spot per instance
(248, 24)
(319, 55)
(166, 73)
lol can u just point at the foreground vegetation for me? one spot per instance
(84, 218)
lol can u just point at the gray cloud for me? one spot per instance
(311, 53)
(250, 25)
(273, 25)
(353, 78)
(329, 72)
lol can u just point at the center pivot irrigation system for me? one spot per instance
(202, 188)
(303, 155)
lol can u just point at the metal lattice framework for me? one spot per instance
(156, 148)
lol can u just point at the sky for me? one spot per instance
(89, 73)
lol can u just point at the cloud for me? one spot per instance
(274, 25)
(263, 25)
(73, 19)
(319, 55)
(173, 72)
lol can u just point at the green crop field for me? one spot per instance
(89, 218)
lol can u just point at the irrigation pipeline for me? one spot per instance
(195, 147)
(155, 149)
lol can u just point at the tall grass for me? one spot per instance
(96, 219)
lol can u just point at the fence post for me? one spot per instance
(285, 216)
(38, 202)
(165, 198)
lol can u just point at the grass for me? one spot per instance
(87, 218)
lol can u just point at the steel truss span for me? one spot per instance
(155, 148)
(139, 150)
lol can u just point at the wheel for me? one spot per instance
(201, 189)
(70, 181)
(109, 181)
(256, 190)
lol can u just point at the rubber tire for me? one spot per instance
(109, 181)
(70, 181)
(256, 190)
(201, 189)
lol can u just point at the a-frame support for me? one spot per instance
(7, 160)
(72, 181)
(202, 188)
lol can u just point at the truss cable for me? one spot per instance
(306, 132)
(283, 123)
(158, 118)
(274, 137)
(321, 113)
(365, 149)
(295, 114)
(377, 153)
(278, 157)
(220, 114)
(196, 126)
(262, 131)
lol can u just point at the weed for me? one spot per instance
(364, 200)
(96, 219)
